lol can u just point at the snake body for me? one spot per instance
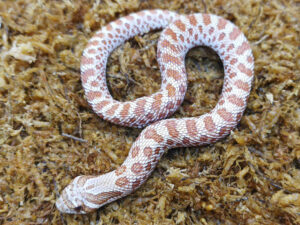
(180, 34)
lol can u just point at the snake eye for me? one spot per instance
(78, 208)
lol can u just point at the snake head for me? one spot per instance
(71, 200)
(87, 193)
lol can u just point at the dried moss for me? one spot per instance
(250, 177)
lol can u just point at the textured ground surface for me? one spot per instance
(49, 135)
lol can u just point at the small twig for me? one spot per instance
(205, 7)
(80, 125)
(253, 150)
(116, 76)
(46, 83)
(262, 39)
(267, 178)
(73, 137)
(130, 80)
(126, 78)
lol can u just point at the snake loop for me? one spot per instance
(87, 193)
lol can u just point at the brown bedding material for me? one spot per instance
(49, 134)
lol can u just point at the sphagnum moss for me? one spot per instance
(49, 134)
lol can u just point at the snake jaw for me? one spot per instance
(71, 200)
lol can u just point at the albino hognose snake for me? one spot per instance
(181, 33)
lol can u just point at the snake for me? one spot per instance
(180, 33)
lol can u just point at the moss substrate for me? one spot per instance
(49, 134)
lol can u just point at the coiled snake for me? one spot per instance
(180, 33)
